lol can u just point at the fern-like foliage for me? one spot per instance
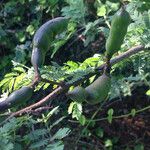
(28, 133)
(76, 11)
(16, 79)
(139, 29)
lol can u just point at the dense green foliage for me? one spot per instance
(77, 54)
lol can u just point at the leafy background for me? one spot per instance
(72, 55)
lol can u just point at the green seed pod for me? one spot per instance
(43, 38)
(37, 57)
(46, 33)
(98, 90)
(119, 25)
(78, 94)
(17, 97)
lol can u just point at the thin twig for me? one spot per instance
(40, 109)
(125, 115)
(116, 117)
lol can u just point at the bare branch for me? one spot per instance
(124, 55)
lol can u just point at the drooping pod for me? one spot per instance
(43, 38)
(78, 94)
(99, 89)
(94, 93)
(119, 25)
(18, 96)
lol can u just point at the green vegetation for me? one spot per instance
(55, 111)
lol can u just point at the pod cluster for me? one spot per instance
(98, 91)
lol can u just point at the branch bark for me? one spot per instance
(64, 88)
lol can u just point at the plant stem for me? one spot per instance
(95, 113)
(122, 116)
(117, 117)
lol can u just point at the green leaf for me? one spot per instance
(70, 108)
(18, 146)
(133, 112)
(12, 74)
(101, 11)
(4, 81)
(54, 110)
(46, 86)
(39, 143)
(11, 83)
(82, 120)
(19, 69)
(72, 64)
(110, 115)
(36, 134)
(61, 133)
(19, 81)
(30, 29)
(139, 147)
(100, 132)
(56, 122)
(76, 11)
(148, 93)
(21, 36)
(108, 143)
(92, 61)
(57, 45)
(77, 110)
(55, 146)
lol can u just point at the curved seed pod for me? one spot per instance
(16, 97)
(118, 30)
(78, 94)
(46, 33)
(43, 38)
(98, 90)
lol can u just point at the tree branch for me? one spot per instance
(124, 55)
(60, 89)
